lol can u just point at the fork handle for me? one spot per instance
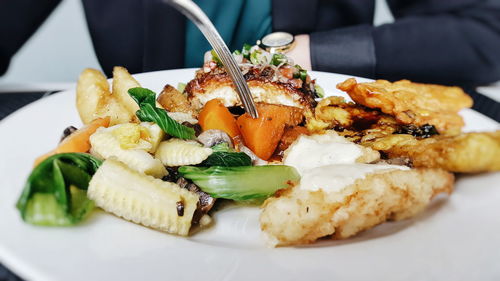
(201, 20)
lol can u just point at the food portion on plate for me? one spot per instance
(317, 167)
(412, 103)
(272, 79)
(431, 138)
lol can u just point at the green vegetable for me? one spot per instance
(181, 87)
(236, 52)
(225, 156)
(255, 57)
(245, 51)
(241, 183)
(222, 147)
(216, 58)
(148, 112)
(55, 193)
(227, 159)
(319, 91)
(278, 59)
(302, 74)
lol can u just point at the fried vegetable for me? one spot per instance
(241, 183)
(94, 100)
(412, 103)
(55, 192)
(78, 141)
(122, 82)
(465, 153)
(215, 115)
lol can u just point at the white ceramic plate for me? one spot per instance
(456, 238)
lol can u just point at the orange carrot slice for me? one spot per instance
(263, 134)
(78, 141)
(215, 115)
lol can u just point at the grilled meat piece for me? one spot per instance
(266, 83)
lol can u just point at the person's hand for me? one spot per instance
(301, 53)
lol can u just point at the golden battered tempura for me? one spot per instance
(465, 153)
(412, 103)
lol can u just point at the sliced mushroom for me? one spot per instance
(256, 161)
(212, 137)
(206, 201)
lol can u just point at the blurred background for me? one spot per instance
(56, 54)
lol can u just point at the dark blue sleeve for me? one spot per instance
(435, 41)
(19, 19)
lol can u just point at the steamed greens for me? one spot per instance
(148, 112)
(241, 183)
(55, 193)
(223, 155)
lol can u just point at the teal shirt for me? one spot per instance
(238, 22)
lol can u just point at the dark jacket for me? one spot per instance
(438, 41)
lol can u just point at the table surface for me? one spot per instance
(486, 101)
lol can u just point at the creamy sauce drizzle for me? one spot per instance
(334, 178)
(310, 152)
(328, 162)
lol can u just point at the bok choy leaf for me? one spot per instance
(223, 155)
(241, 183)
(148, 112)
(55, 193)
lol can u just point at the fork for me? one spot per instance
(201, 20)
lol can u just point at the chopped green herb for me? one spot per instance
(245, 51)
(278, 59)
(216, 58)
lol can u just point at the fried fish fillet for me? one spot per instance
(412, 103)
(263, 84)
(465, 153)
(300, 216)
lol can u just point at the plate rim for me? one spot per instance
(23, 269)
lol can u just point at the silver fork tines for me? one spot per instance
(200, 19)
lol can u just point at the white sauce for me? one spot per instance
(334, 178)
(328, 162)
(310, 152)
